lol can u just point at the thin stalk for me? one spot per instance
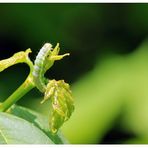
(20, 92)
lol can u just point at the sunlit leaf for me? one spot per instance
(39, 121)
(14, 130)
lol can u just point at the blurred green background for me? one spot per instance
(107, 69)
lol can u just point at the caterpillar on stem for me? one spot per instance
(44, 60)
(39, 63)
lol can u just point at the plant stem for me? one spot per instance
(20, 92)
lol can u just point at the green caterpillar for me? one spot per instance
(39, 64)
(44, 60)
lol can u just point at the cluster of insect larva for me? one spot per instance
(40, 61)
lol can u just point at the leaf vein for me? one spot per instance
(5, 139)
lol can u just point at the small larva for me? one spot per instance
(38, 71)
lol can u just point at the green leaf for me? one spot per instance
(62, 103)
(39, 121)
(14, 130)
(19, 57)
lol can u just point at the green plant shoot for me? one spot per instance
(58, 92)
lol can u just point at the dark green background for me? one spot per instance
(92, 33)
